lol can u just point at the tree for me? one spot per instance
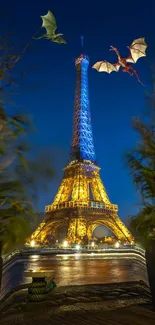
(141, 163)
(20, 173)
(20, 176)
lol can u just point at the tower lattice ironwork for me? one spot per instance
(81, 202)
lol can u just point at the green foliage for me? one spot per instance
(141, 164)
(21, 174)
(141, 160)
(143, 225)
(15, 207)
(16, 229)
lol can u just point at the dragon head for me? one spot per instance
(112, 48)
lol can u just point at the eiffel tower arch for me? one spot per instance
(81, 202)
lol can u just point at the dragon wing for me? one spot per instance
(49, 23)
(105, 66)
(137, 50)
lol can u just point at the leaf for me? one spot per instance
(19, 128)
(23, 160)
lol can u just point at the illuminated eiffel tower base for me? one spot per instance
(81, 202)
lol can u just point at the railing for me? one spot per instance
(44, 250)
(82, 204)
(6, 258)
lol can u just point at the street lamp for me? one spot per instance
(65, 244)
(117, 245)
(32, 243)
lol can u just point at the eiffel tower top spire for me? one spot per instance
(82, 41)
(82, 147)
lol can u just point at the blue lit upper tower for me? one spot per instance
(82, 147)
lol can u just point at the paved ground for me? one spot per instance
(111, 304)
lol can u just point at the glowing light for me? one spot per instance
(32, 243)
(65, 244)
(93, 244)
(77, 247)
(117, 245)
(121, 253)
(34, 257)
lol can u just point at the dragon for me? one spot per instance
(137, 50)
(49, 23)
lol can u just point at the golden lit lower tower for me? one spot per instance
(81, 202)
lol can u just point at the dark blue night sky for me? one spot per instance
(49, 90)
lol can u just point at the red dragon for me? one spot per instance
(137, 50)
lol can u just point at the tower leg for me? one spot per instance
(77, 230)
(71, 235)
(90, 232)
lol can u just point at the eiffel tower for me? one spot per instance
(81, 202)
